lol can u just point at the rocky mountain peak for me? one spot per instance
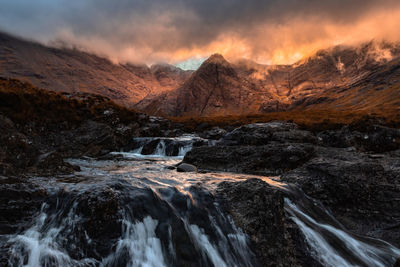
(216, 65)
(216, 59)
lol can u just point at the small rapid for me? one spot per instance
(165, 146)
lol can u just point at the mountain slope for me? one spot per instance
(71, 70)
(216, 88)
(343, 78)
(328, 79)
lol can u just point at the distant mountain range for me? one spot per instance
(365, 77)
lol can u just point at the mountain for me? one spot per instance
(71, 70)
(215, 88)
(328, 79)
(363, 77)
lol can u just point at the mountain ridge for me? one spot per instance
(340, 77)
(71, 70)
(257, 88)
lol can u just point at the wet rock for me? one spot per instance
(258, 209)
(19, 201)
(184, 167)
(150, 147)
(374, 138)
(361, 191)
(52, 163)
(269, 159)
(215, 133)
(255, 134)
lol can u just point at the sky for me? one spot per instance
(185, 32)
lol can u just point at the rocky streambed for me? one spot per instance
(266, 194)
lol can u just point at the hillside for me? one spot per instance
(71, 70)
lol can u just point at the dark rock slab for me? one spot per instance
(269, 159)
(264, 133)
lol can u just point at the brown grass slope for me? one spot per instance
(23, 103)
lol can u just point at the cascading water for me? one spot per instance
(164, 146)
(136, 211)
(131, 212)
(330, 243)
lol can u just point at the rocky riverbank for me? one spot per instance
(353, 171)
(39, 129)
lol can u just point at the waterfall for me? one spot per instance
(164, 146)
(142, 213)
(42, 244)
(152, 224)
(334, 247)
(139, 244)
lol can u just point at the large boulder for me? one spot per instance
(184, 167)
(272, 159)
(258, 209)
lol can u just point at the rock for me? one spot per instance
(258, 209)
(264, 133)
(90, 139)
(150, 147)
(361, 192)
(215, 133)
(184, 167)
(20, 199)
(340, 138)
(269, 159)
(378, 139)
(397, 263)
(52, 163)
(17, 152)
(374, 138)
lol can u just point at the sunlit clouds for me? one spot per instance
(271, 32)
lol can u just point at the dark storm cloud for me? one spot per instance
(153, 30)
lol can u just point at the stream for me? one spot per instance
(134, 209)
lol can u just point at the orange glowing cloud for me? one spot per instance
(272, 32)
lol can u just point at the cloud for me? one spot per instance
(274, 31)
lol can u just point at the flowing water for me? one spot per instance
(135, 210)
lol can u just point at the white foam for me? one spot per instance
(140, 241)
(327, 255)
